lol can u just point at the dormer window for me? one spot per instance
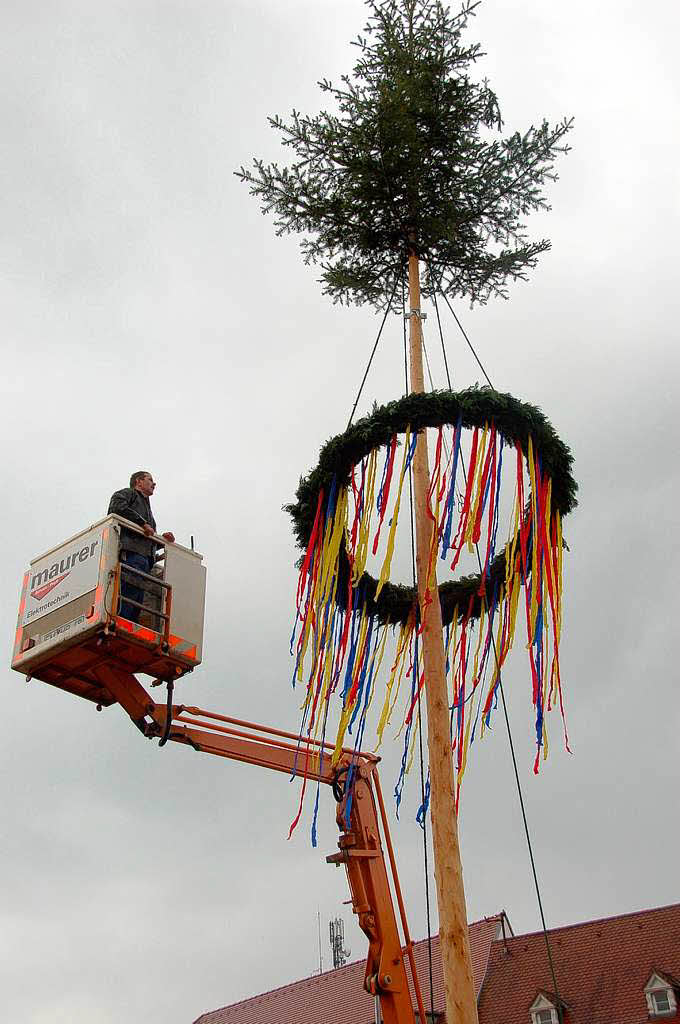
(660, 995)
(543, 1010)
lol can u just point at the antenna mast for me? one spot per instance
(337, 933)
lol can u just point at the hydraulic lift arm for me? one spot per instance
(360, 814)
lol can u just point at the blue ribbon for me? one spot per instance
(422, 810)
(451, 496)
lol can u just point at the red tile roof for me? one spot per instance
(338, 997)
(601, 967)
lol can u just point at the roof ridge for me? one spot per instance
(594, 920)
(471, 924)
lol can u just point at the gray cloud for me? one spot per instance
(151, 318)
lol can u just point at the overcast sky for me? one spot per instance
(150, 318)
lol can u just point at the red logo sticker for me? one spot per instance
(41, 592)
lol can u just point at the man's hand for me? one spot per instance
(169, 537)
(148, 530)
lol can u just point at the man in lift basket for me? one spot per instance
(138, 552)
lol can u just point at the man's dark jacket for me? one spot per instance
(131, 504)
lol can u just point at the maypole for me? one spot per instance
(459, 987)
(411, 164)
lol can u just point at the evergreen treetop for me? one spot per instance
(412, 158)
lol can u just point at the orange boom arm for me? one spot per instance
(360, 845)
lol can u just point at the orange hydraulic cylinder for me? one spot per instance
(362, 854)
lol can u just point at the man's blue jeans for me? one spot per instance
(131, 585)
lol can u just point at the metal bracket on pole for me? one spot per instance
(415, 312)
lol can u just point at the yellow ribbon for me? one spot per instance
(476, 491)
(366, 519)
(387, 563)
(396, 673)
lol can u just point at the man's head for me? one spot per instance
(142, 481)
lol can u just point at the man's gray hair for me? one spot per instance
(138, 476)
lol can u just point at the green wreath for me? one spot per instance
(516, 421)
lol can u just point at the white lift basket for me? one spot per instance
(70, 631)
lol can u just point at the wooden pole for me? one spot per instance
(461, 1003)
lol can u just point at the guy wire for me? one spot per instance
(462, 329)
(370, 361)
(505, 707)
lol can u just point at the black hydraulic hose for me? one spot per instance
(168, 716)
